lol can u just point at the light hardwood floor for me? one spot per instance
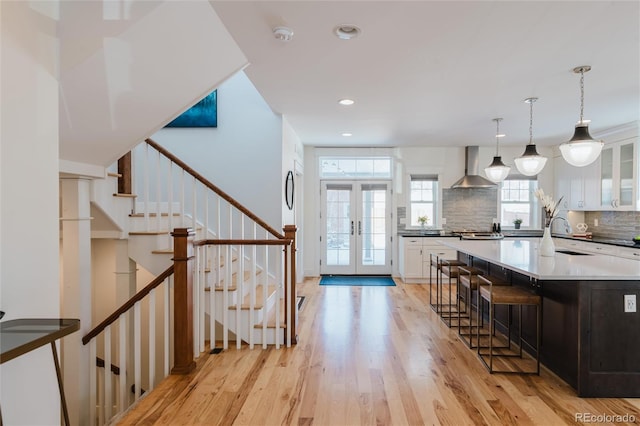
(366, 356)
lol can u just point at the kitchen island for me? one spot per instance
(588, 337)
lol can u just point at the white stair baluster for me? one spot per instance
(158, 196)
(93, 382)
(123, 403)
(137, 369)
(167, 325)
(265, 281)
(147, 225)
(108, 404)
(152, 339)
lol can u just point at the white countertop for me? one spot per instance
(521, 255)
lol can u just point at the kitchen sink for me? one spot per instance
(573, 253)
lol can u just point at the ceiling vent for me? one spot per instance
(471, 179)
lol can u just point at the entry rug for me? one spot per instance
(357, 280)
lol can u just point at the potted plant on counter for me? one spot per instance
(423, 221)
(517, 222)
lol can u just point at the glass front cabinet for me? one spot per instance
(619, 176)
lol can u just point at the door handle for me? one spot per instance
(352, 228)
(359, 228)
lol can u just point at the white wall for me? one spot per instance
(292, 154)
(29, 240)
(447, 162)
(243, 155)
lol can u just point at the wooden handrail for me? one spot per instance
(127, 305)
(283, 242)
(214, 188)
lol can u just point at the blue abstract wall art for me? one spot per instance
(202, 114)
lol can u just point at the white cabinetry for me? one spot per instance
(619, 176)
(415, 256)
(578, 185)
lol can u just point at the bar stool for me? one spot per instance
(511, 296)
(434, 262)
(469, 284)
(449, 268)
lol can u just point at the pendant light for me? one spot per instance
(582, 149)
(530, 163)
(497, 171)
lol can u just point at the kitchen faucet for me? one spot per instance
(567, 225)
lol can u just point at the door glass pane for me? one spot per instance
(626, 175)
(373, 231)
(338, 226)
(606, 176)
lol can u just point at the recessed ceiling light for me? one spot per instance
(346, 101)
(346, 31)
(347, 134)
(500, 135)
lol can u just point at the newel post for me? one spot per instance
(290, 233)
(183, 301)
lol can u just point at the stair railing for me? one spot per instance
(170, 187)
(263, 306)
(106, 340)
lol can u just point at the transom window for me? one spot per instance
(423, 190)
(517, 201)
(355, 167)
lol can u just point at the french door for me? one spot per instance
(356, 227)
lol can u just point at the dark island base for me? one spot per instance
(587, 339)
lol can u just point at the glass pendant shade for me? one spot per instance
(582, 149)
(497, 171)
(530, 163)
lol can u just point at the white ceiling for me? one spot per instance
(436, 73)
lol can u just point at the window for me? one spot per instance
(355, 167)
(517, 200)
(423, 192)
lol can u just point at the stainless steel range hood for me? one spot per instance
(471, 179)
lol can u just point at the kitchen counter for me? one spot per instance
(427, 233)
(589, 334)
(600, 240)
(521, 255)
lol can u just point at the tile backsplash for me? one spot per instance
(615, 225)
(469, 208)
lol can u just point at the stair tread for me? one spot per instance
(112, 174)
(148, 232)
(271, 320)
(152, 214)
(162, 251)
(271, 289)
(118, 194)
(234, 281)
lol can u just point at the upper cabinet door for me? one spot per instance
(580, 186)
(619, 176)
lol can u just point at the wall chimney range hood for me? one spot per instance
(471, 179)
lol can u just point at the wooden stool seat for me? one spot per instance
(512, 296)
(508, 295)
